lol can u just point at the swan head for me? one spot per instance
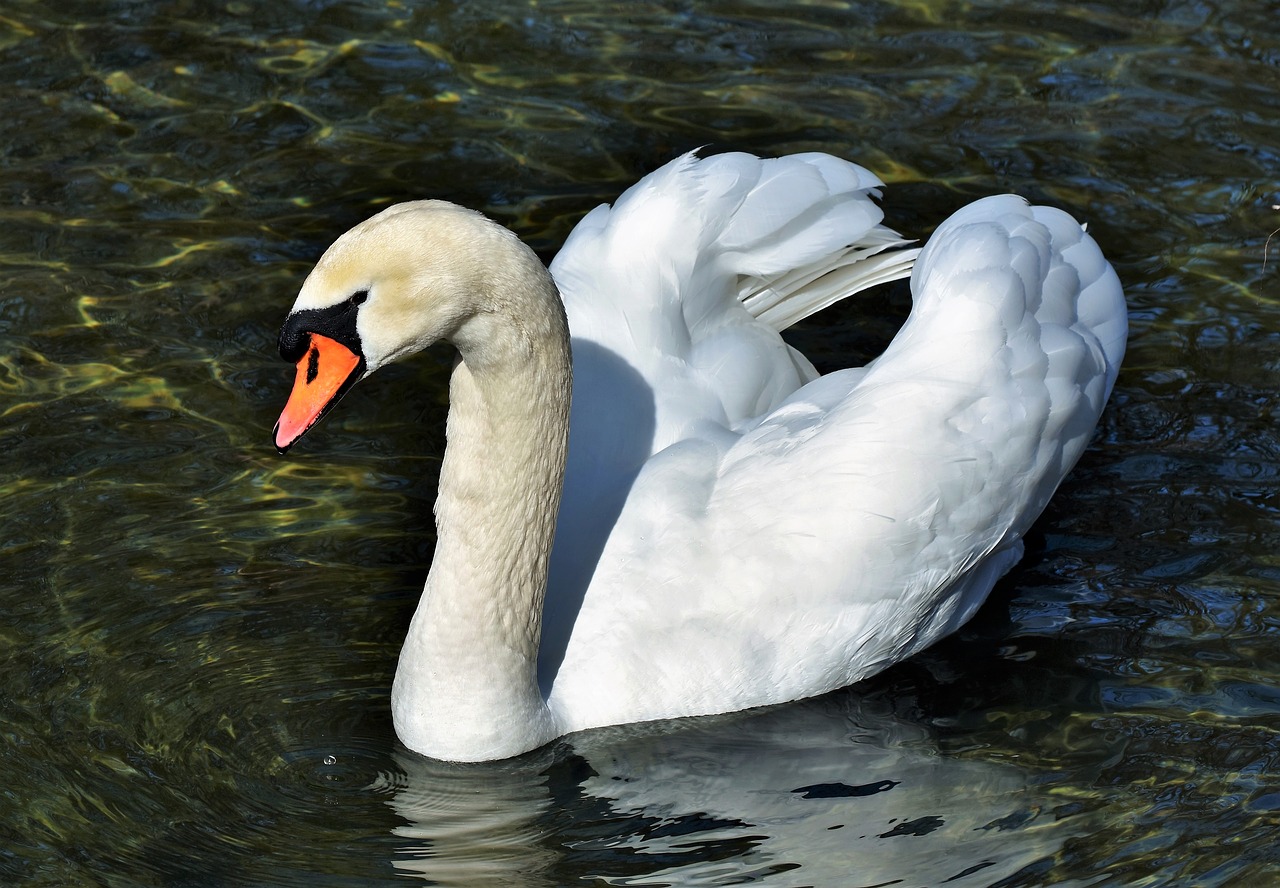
(413, 274)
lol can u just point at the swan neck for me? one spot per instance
(466, 687)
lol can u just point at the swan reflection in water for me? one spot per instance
(835, 791)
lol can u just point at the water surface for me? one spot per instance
(198, 636)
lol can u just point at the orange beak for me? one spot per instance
(324, 374)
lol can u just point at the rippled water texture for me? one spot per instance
(198, 636)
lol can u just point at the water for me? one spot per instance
(198, 636)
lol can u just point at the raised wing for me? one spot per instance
(675, 296)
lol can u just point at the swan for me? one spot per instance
(729, 529)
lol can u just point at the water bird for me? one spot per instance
(650, 506)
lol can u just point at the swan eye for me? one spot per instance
(358, 297)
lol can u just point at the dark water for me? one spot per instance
(197, 637)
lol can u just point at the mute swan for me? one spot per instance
(735, 530)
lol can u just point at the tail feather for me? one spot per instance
(805, 291)
(802, 232)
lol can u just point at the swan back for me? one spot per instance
(870, 512)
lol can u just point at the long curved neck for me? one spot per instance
(466, 686)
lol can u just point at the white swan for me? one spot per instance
(735, 531)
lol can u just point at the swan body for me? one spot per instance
(650, 506)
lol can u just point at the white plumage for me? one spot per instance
(735, 531)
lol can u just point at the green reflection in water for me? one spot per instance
(198, 636)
